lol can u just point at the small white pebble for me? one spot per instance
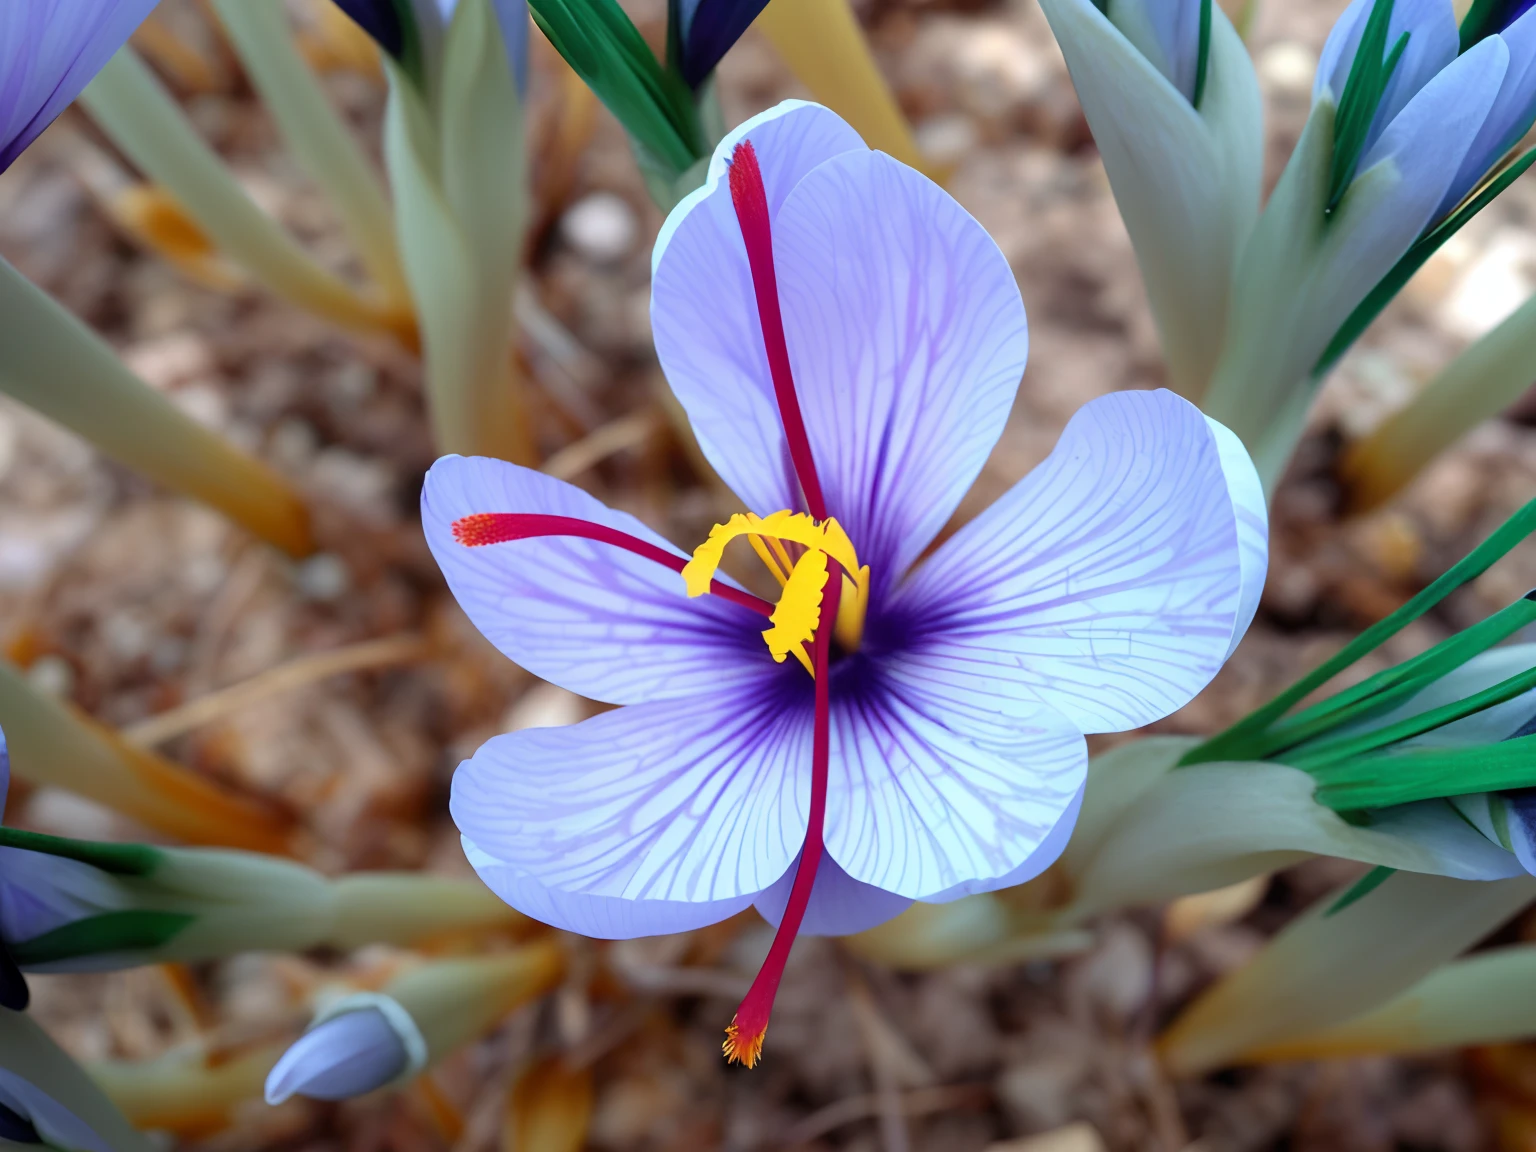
(1287, 67)
(601, 226)
(52, 675)
(323, 578)
(947, 139)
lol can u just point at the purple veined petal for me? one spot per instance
(347, 1055)
(590, 617)
(1508, 120)
(49, 51)
(39, 893)
(696, 800)
(1433, 42)
(907, 336)
(600, 917)
(704, 311)
(1252, 510)
(1108, 583)
(929, 791)
(54, 1123)
(839, 904)
(1050, 850)
(5, 772)
(708, 29)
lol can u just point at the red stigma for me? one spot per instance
(751, 202)
(484, 528)
(744, 1036)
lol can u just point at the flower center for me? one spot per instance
(803, 579)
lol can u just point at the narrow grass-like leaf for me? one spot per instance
(1202, 67)
(110, 932)
(1427, 774)
(133, 108)
(1483, 19)
(316, 134)
(1391, 686)
(54, 744)
(1360, 889)
(606, 50)
(1415, 258)
(1369, 74)
(1335, 751)
(1237, 741)
(56, 365)
(118, 859)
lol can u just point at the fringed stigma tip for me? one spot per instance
(742, 1048)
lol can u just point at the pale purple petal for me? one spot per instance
(704, 311)
(1433, 43)
(693, 800)
(839, 904)
(49, 51)
(928, 791)
(345, 1056)
(56, 1124)
(39, 893)
(1510, 117)
(1167, 33)
(591, 617)
(1252, 511)
(1050, 850)
(907, 336)
(1521, 810)
(5, 772)
(601, 917)
(1108, 583)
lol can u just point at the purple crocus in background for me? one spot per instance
(847, 342)
(703, 31)
(411, 31)
(49, 51)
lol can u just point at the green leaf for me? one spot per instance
(1427, 774)
(1369, 75)
(1360, 889)
(1482, 20)
(131, 931)
(118, 859)
(1239, 741)
(1337, 751)
(1387, 688)
(607, 51)
(1204, 64)
(1412, 260)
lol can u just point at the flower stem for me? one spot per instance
(744, 1036)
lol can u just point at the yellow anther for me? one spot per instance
(798, 613)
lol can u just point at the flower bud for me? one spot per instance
(360, 1044)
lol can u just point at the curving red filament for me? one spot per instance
(744, 1037)
(751, 202)
(499, 527)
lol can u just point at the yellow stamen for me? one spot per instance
(770, 560)
(798, 613)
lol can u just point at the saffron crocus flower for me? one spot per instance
(1171, 96)
(372, 1040)
(362, 1044)
(49, 50)
(1404, 125)
(847, 342)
